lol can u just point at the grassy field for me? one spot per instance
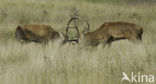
(34, 64)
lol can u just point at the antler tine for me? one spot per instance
(86, 29)
(78, 35)
(75, 12)
(74, 16)
(71, 21)
(88, 25)
(77, 15)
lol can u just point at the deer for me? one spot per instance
(43, 33)
(106, 34)
(113, 31)
(36, 33)
(110, 32)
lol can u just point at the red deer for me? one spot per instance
(113, 31)
(44, 33)
(36, 33)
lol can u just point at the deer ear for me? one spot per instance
(62, 36)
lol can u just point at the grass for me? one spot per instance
(105, 1)
(34, 64)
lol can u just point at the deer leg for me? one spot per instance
(110, 40)
(133, 40)
(45, 41)
(139, 38)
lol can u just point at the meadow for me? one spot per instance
(69, 64)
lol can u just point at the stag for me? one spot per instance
(113, 31)
(36, 33)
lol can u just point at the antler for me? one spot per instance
(86, 29)
(73, 18)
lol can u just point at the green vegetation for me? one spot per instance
(34, 64)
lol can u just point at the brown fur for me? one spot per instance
(36, 33)
(113, 31)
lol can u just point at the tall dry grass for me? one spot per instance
(34, 64)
